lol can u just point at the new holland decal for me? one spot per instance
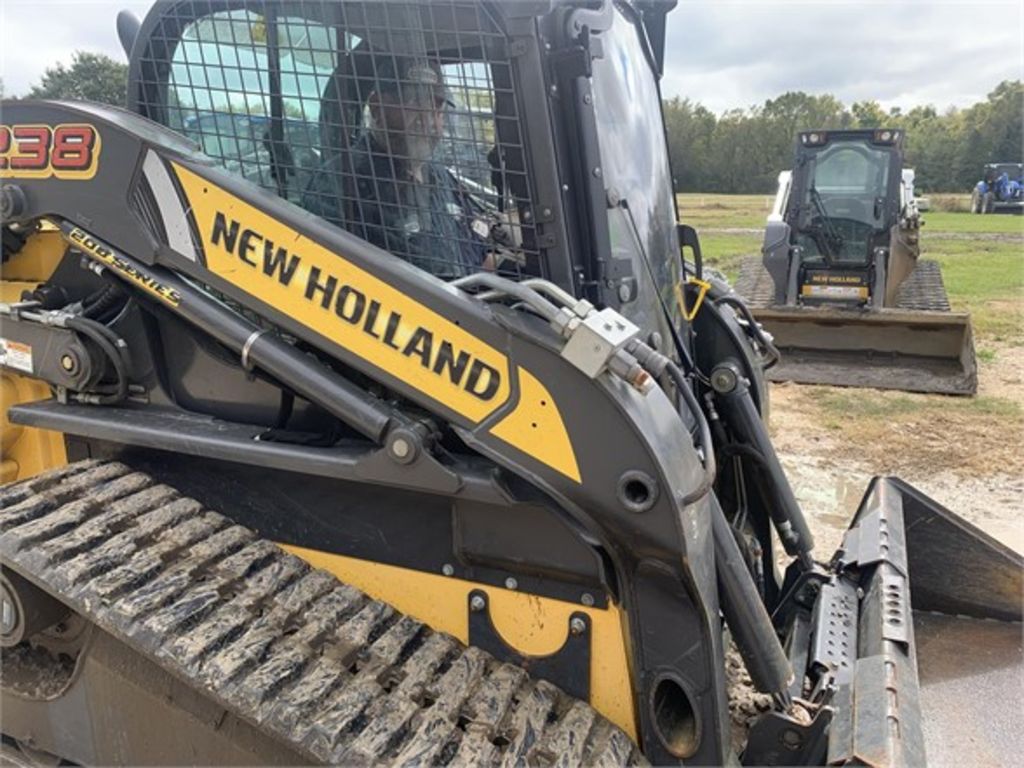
(351, 305)
(335, 298)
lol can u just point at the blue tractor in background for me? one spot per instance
(1001, 189)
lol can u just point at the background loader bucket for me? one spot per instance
(967, 593)
(918, 345)
(917, 351)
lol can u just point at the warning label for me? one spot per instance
(16, 355)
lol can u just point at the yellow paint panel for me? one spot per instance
(533, 625)
(822, 291)
(207, 200)
(26, 451)
(35, 262)
(536, 427)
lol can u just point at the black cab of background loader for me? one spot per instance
(516, 413)
(832, 241)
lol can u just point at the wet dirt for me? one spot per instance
(745, 703)
(967, 456)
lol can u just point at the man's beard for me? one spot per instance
(419, 149)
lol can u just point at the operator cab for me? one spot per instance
(551, 161)
(995, 171)
(831, 241)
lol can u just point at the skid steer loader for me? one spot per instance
(840, 285)
(396, 429)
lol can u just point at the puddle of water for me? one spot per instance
(829, 493)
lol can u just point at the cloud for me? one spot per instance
(38, 34)
(722, 53)
(738, 54)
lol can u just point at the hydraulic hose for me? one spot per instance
(755, 328)
(733, 394)
(655, 363)
(108, 298)
(501, 286)
(102, 337)
(745, 614)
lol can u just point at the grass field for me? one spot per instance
(984, 275)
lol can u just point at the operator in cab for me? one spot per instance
(398, 196)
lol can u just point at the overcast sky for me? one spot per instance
(722, 53)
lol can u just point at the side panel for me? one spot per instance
(26, 451)
(370, 318)
(533, 625)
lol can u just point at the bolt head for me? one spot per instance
(511, 583)
(477, 603)
(723, 380)
(791, 739)
(448, 569)
(400, 447)
(67, 362)
(577, 625)
(587, 599)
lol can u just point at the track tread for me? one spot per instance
(339, 676)
(922, 290)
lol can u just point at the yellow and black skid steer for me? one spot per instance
(394, 427)
(840, 285)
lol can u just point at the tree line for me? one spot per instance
(743, 150)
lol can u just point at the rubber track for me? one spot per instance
(315, 662)
(922, 290)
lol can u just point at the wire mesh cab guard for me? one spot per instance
(395, 121)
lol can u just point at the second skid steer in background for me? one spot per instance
(840, 284)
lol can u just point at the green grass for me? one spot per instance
(943, 221)
(725, 251)
(702, 211)
(986, 355)
(843, 406)
(983, 276)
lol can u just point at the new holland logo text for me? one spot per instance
(370, 315)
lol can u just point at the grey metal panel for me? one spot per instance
(179, 236)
